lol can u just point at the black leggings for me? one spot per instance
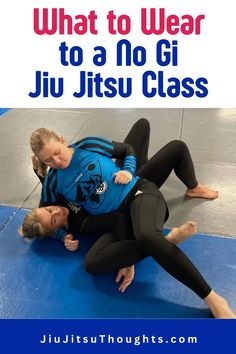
(174, 156)
(147, 211)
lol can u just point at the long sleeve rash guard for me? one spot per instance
(89, 179)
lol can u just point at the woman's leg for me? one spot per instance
(110, 253)
(175, 156)
(138, 137)
(148, 213)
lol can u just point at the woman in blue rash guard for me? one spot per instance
(95, 176)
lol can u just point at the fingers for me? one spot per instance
(73, 246)
(125, 284)
(70, 244)
(128, 274)
(34, 160)
(122, 177)
(68, 237)
(119, 276)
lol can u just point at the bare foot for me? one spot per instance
(202, 192)
(219, 306)
(182, 233)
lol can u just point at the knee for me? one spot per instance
(179, 146)
(144, 124)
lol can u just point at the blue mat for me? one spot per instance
(3, 110)
(6, 213)
(43, 280)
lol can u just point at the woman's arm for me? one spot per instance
(115, 222)
(40, 169)
(110, 149)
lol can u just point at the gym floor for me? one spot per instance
(43, 280)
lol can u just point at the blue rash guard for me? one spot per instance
(89, 179)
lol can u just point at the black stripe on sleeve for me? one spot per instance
(95, 138)
(122, 150)
(102, 150)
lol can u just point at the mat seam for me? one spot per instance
(165, 229)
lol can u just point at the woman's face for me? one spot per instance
(56, 154)
(52, 217)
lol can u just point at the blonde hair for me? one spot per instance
(32, 227)
(40, 137)
(38, 140)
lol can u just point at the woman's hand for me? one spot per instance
(123, 177)
(71, 244)
(39, 166)
(128, 274)
(35, 162)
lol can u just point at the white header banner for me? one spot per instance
(101, 53)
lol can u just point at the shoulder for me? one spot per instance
(92, 140)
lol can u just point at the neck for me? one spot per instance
(70, 155)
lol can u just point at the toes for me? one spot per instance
(192, 223)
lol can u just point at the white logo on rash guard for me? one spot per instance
(73, 207)
(102, 188)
